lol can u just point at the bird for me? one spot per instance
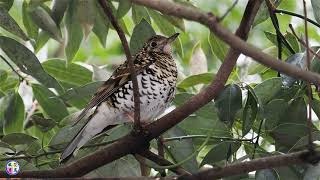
(113, 104)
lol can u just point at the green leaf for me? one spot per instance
(263, 13)
(139, 13)
(315, 104)
(18, 139)
(193, 80)
(10, 83)
(3, 76)
(50, 103)
(44, 21)
(180, 150)
(141, 33)
(73, 74)
(41, 40)
(74, 31)
(177, 22)
(9, 24)
(101, 26)
(228, 103)
(86, 13)
(44, 124)
(255, 67)
(31, 27)
(167, 29)
(291, 39)
(267, 90)
(123, 8)
(80, 96)
(273, 112)
(7, 4)
(249, 112)
(27, 62)
(13, 113)
(316, 9)
(218, 47)
(219, 152)
(58, 9)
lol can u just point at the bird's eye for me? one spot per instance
(153, 44)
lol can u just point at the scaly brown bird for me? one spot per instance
(113, 102)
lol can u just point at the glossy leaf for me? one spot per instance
(101, 25)
(31, 27)
(267, 90)
(74, 31)
(50, 103)
(18, 139)
(27, 62)
(13, 113)
(228, 103)
(44, 21)
(141, 33)
(73, 74)
(219, 152)
(9, 24)
(193, 80)
(218, 47)
(58, 9)
(249, 112)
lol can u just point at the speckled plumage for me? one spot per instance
(113, 102)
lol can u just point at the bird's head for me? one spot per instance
(160, 44)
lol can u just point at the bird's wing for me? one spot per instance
(118, 78)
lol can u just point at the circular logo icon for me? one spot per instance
(12, 167)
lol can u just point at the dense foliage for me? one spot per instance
(55, 54)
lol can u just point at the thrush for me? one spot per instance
(113, 102)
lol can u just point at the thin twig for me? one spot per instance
(54, 152)
(179, 138)
(282, 11)
(162, 162)
(275, 23)
(302, 42)
(161, 153)
(7, 62)
(228, 10)
(308, 83)
(108, 11)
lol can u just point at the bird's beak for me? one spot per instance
(172, 38)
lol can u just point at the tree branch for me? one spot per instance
(108, 11)
(133, 143)
(253, 165)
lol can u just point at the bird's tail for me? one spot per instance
(96, 124)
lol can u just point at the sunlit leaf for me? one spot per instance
(27, 62)
(50, 103)
(9, 24)
(193, 80)
(141, 33)
(218, 47)
(73, 74)
(13, 113)
(228, 103)
(74, 31)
